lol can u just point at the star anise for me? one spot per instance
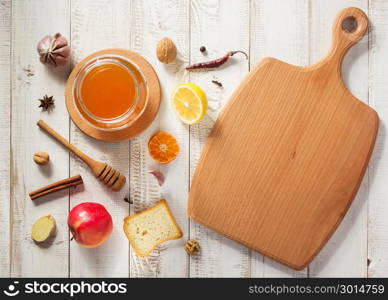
(47, 102)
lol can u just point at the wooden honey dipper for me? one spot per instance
(103, 171)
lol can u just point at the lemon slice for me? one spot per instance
(189, 103)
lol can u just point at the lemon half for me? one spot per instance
(189, 103)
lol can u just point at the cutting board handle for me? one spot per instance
(350, 25)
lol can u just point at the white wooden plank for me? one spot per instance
(5, 131)
(151, 21)
(279, 29)
(30, 81)
(96, 25)
(256, 50)
(378, 171)
(220, 26)
(345, 255)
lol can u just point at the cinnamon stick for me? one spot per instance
(56, 186)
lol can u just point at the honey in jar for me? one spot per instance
(110, 92)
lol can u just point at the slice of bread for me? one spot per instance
(151, 227)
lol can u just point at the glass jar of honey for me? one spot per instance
(110, 92)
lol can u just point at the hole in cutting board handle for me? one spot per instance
(349, 25)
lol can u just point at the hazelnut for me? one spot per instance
(166, 50)
(41, 158)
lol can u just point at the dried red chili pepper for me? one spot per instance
(216, 62)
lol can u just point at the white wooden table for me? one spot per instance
(296, 31)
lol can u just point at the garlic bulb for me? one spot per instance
(53, 50)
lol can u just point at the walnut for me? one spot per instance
(166, 50)
(192, 247)
(41, 158)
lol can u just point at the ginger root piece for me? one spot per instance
(43, 229)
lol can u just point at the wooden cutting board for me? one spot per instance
(286, 156)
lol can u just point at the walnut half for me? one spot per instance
(192, 247)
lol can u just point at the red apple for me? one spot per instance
(90, 224)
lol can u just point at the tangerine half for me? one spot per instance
(163, 147)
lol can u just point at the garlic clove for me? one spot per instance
(159, 176)
(61, 55)
(59, 41)
(44, 44)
